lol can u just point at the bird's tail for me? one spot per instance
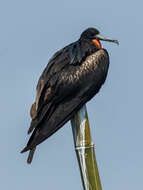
(30, 156)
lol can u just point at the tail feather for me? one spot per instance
(25, 149)
(30, 156)
(32, 126)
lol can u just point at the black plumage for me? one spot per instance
(72, 77)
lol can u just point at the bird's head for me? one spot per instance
(94, 35)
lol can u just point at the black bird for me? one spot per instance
(73, 76)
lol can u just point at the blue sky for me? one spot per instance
(31, 31)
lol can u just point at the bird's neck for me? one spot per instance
(88, 46)
(80, 49)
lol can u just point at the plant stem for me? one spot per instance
(84, 148)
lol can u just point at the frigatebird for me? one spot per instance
(72, 77)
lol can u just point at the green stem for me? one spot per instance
(84, 148)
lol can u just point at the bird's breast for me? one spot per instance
(96, 62)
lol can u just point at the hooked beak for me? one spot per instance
(100, 37)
